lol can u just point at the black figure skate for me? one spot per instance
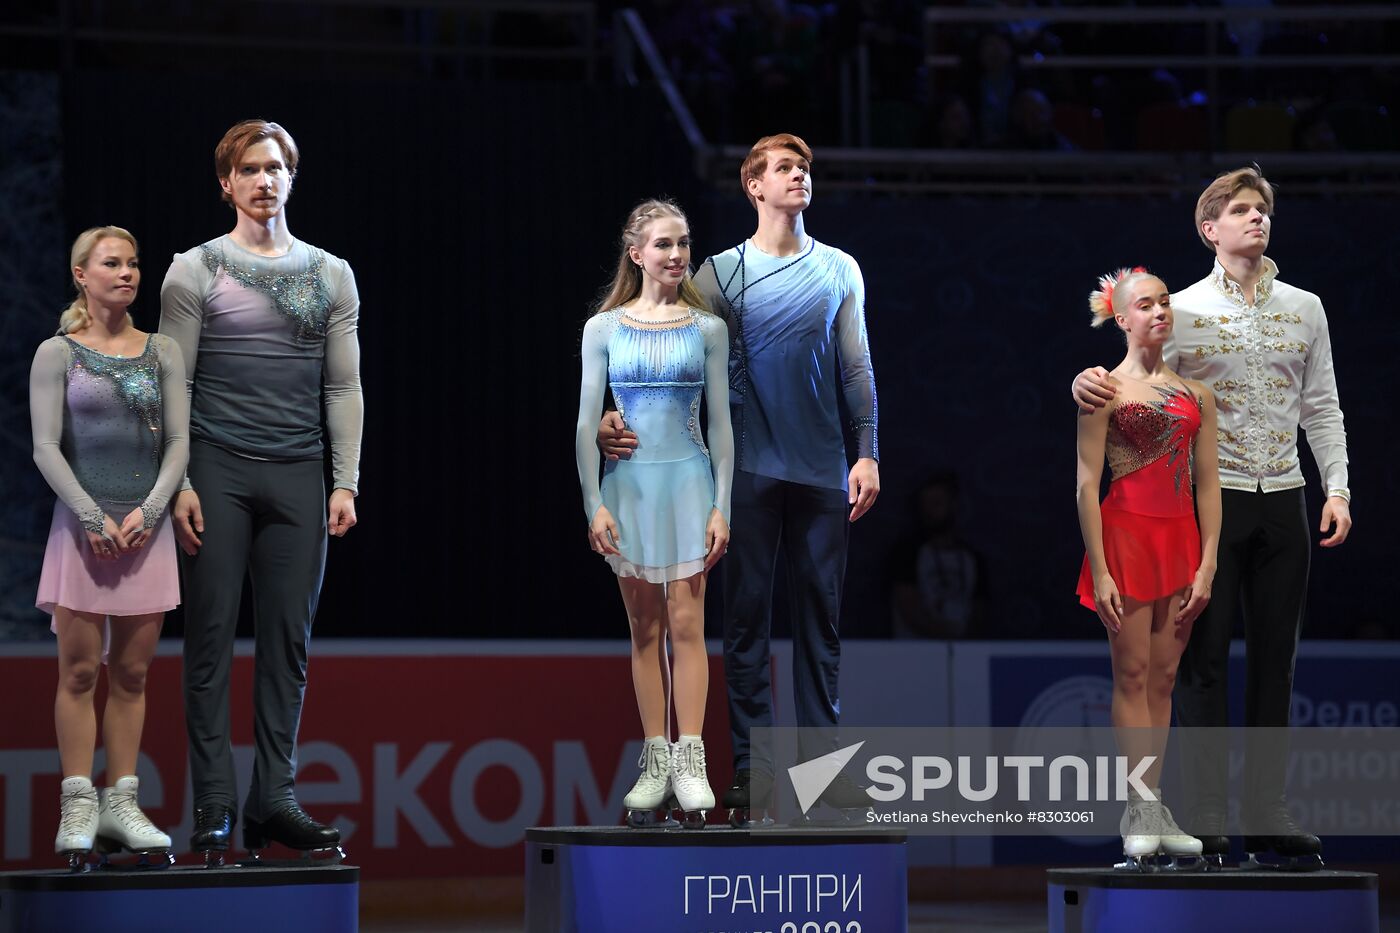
(294, 828)
(213, 833)
(749, 799)
(1284, 846)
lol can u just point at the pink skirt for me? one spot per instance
(138, 583)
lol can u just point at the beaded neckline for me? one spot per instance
(672, 323)
(301, 297)
(145, 348)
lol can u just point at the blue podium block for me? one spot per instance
(589, 879)
(235, 899)
(1089, 900)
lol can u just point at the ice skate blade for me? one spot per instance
(1284, 863)
(329, 855)
(214, 858)
(651, 819)
(1143, 864)
(833, 817)
(693, 819)
(146, 859)
(1213, 862)
(78, 861)
(1181, 863)
(743, 818)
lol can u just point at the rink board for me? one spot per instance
(601, 879)
(1093, 900)
(323, 899)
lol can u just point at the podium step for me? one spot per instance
(590, 879)
(1090, 900)
(236, 899)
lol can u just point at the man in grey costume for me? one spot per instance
(267, 327)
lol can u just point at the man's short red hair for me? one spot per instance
(756, 162)
(242, 135)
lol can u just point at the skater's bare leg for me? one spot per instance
(1130, 649)
(79, 658)
(646, 615)
(133, 644)
(1168, 641)
(685, 611)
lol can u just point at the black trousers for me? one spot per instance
(811, 523)
(1262, 569)
(268, 520)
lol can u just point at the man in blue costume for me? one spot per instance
(798, 350)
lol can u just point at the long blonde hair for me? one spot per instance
(627, 281)
(76, 317)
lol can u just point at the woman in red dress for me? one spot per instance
(1147, 566)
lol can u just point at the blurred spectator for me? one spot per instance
(991, 87)
(948, 124)
(1314, 133)
(775, 47)
(1033, 123)
(940, 582)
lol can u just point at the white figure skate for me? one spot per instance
(121, 826)
(1141, 831)
(650, 800)
(1183, 849)
(690, 781)
(77, 821)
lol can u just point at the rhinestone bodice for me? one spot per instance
(1149, 446)
(657, 375)
(112, 435)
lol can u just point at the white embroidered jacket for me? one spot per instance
(1269, 363)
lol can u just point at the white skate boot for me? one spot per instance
(77, 821)
(1141, 830)
(652, 792)
(122, 826)
(1183, 849)
(690, 782)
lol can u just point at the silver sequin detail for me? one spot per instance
(137, 379)
(95, 522)
(301, 297)
(150, 514)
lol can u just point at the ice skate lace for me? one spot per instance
(1143, 818)
(690, 762)
(125, 809)
(651, 762)
(76, 812)
(1168, 824)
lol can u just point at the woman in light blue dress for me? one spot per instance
(661, 517)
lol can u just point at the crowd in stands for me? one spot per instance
(994, 85)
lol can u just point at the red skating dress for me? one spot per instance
(1150, 539)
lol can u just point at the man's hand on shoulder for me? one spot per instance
(1092, 389)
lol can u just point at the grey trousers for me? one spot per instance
(267, 520)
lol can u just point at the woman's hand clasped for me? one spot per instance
(135, 530)
(603, 535)
(111, 544)
(716, 538)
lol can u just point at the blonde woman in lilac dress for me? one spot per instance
(110, 417)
